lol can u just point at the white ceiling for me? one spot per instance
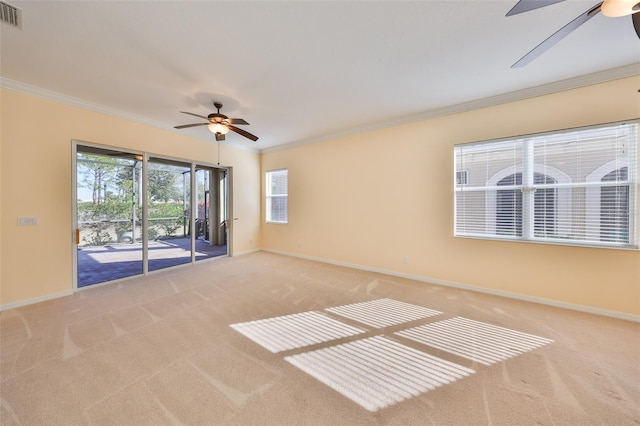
(302, 71)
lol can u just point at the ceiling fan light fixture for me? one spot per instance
(616, 8)
(218, 128)
(219, 124)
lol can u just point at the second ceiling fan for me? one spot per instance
(220, 124)
(610, 8)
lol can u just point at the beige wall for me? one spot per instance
(374, 199)
(370, 199)
(36, 158)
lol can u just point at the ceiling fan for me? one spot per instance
(610, 8)
(219, 124)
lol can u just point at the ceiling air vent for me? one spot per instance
(10, 15)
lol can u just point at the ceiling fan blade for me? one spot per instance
(237, 121)
(195, 115)
(243, 133)
(557, 36)
(527, 5)
(184, 126)
(636, 22)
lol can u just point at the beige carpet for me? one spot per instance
(265, 339)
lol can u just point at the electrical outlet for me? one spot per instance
(405, 259)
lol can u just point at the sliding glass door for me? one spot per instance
(108, 212)
(169, 224)
(136, 214)
(211, 215)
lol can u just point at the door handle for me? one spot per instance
(77, 237)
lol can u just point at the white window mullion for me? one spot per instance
(528, 191)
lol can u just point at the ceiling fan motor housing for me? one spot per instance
(218, 118)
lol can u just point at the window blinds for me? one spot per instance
(574, 187)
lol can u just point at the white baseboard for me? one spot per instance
(242, 253)
(516, 296)
(35, 300)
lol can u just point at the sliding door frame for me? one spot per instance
(194, 164)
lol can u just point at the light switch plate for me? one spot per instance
(27, 221)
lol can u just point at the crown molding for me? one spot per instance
(532, 92)
(19, 86)
(50, 95)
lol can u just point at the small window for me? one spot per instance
(277, 205)
(462, 177)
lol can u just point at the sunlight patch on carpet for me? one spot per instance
(383, 312)
(295, 331)
(377, 372)
(474, 340)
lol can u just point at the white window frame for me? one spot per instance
(564, 220)
(270, 196)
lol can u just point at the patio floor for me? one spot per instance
(114, 261)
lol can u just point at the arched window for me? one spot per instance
(614, 207)
(509, 206)
(551, 210)
(608, 204)
(546, 207)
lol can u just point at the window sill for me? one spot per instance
(626, 247)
